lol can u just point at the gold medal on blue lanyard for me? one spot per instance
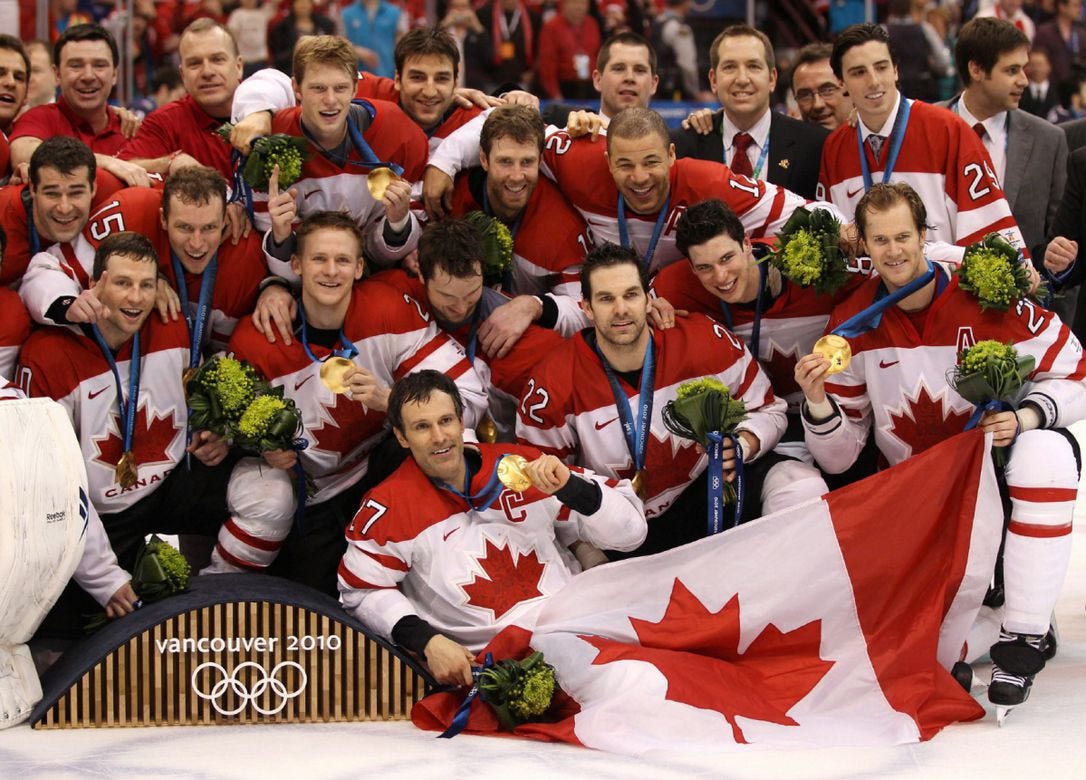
(126, 471)
(334, 368)
(635, 431)
(198, 320)
(658, 229)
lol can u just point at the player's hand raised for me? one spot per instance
(282, 208)
(87, 308)
(548, 474)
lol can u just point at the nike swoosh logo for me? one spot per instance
(851, 193)
(96, 393)
(601, 426)
(450, 533)
(888, 363)
(301, 382)
(307, 195)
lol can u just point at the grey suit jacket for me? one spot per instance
(1035, 176)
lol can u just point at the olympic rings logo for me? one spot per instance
(232, 682)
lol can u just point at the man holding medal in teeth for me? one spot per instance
(466, 539)
(350, 342)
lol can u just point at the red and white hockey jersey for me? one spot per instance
(394, 337)
(897, 380)
(326, 186)
(790, 325)
(68, 367)
(945, 162)
(569, 411)
(549, 245)
(14, 329)
(241, 266)
(418, 549)
(579, 166)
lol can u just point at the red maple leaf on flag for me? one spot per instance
(924, 422)
(508, 581)
(781, 370)
(698, 652)
(151, 439)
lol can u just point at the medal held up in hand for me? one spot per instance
(333, 371)
(511, 473)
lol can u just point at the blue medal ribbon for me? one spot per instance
(126, 409)
(762, 155)
(300, 485)
(485, 498)
(242, 190)
(635, 431)
(32, 237)
(897, 137)
(869, 318)
(715, 481)
(990, 406)
(369, 159)
(657, 231)
(460, 719)
(197, 323)
(347, 348)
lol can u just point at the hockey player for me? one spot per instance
(451, 290)
(550, 238)
(897, 139)
(185, 222)
(384, 336)
(14, 329)
(346, 142)
(120, 382)
(420, 539)
(587, 402)
(896, 385)
(633, 192)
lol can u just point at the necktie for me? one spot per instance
(875, 142)
(740, 160)
(978, 128)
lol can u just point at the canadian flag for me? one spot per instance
(832, 623)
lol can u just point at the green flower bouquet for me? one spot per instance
(991, 271)
(809, 251)
(160, 571)
(704, 406)
(289, 152)
(990, 373)
(270, 422)
(519, 691)
(497, 246)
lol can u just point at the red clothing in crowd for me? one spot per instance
(58, 119)
(181, 124)
(560, 43)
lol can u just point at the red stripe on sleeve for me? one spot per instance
(388, 561)
(1035, 531)
(357, 582)
(1042, 494)
(412, 362)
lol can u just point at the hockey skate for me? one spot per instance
(1016, 658)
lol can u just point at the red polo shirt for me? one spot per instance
(59, 119)
(182, 125)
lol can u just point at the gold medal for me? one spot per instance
(511, 473)
(378, 180)
(186, 377)
(638, 483)
(836, 350)
(127, 471)
(486, 431)
(333, 370)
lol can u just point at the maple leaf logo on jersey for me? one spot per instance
(781, 370)
(698, 652)
(344, 427)
(151, 439)
(669, 460)
(508, 580)
(924, 422)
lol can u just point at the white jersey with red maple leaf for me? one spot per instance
(790, 325)
(68, 366)
(897, 380)
(326, 186)
(549, 246)
(394, 337)
(945, 162)
(241, 266)
(568, 409)
(471, 572)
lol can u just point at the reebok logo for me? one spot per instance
(92, 395)
(888, 363)
(301, 382)
(601, 426)
(853, 193)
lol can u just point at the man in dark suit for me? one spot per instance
(1041, 96)
(745, 134)
(1062, 258)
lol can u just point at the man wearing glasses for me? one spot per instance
(820, 97)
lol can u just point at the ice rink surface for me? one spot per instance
(1045, 739)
